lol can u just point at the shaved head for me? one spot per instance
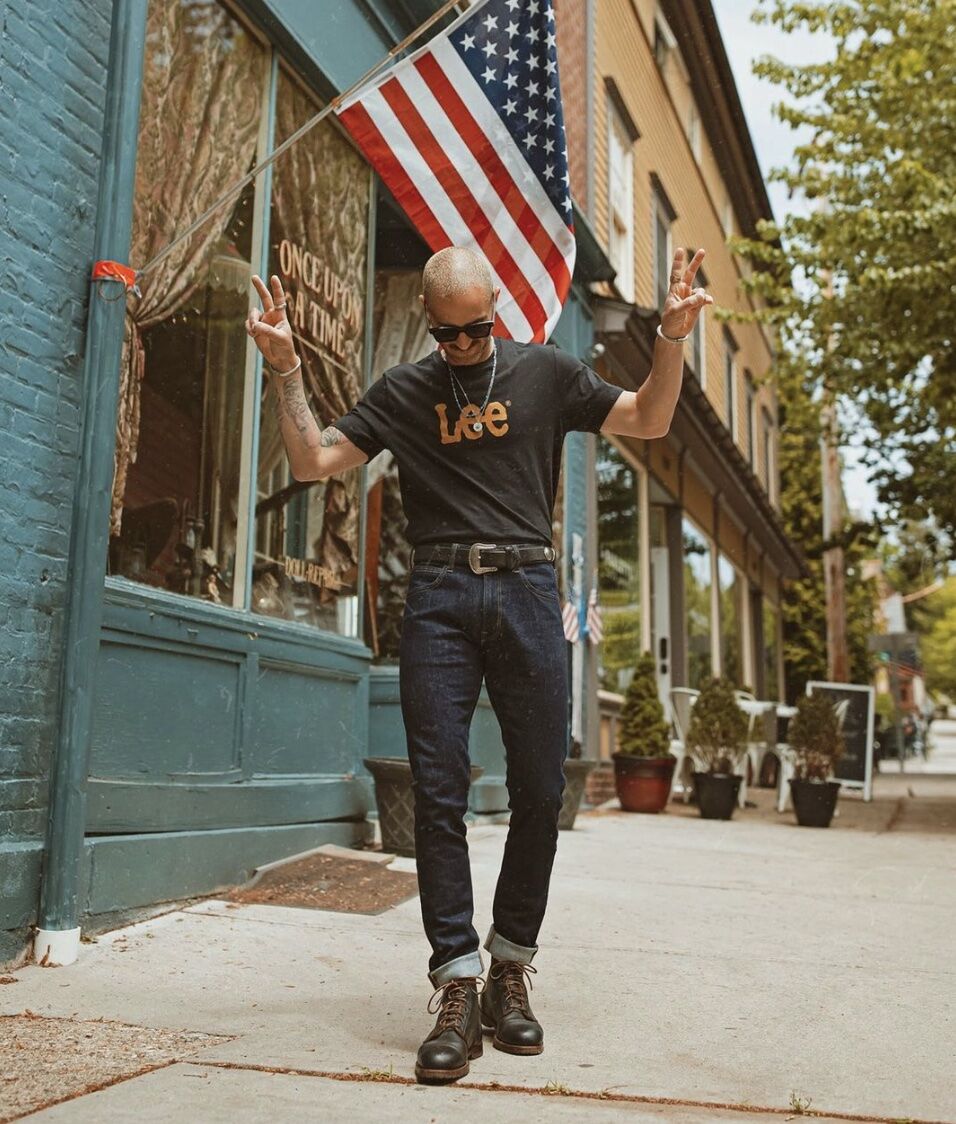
(454, 271)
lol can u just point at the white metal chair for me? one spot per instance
(682, 701)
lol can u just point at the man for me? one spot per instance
(477, 429)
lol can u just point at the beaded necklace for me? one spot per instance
(476, 426)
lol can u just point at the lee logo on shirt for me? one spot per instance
(494, 420)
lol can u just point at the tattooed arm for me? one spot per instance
(313, 453)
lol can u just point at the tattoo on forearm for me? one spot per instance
(297, 410)
(332, 436)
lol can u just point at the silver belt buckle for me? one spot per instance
(473, 552)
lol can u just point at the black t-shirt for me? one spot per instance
(496, 485)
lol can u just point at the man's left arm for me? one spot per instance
(647, 412)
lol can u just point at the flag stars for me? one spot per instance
(531, 114)
(489, 48)
(491, 23)
(511, 81)
(549, 171)
(489, 74)
(530, 141)
(512, 56)
(467, 42)
(510, 106)
(512, 30)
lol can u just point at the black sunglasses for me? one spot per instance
(477, 330)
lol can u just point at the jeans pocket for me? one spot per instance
(425, 577)
(541, 578)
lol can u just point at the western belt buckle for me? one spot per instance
(474, 550)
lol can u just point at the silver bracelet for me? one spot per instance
(670, 339)
(291, 371)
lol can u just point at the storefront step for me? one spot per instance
(120, 806)
(125, 871)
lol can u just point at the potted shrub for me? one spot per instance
(643, 762)
(717, 738)
(816, 743)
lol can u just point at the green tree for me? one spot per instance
(861, 287)
(801, 498)
(939, 642)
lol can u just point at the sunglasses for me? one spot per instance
(477, 330)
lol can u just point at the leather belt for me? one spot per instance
(483, 557)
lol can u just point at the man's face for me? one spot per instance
(469, 306)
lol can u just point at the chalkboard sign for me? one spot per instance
(856, 706)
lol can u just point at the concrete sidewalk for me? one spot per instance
(721, 968)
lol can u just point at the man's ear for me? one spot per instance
(421, 298)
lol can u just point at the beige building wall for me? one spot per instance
(661, 106)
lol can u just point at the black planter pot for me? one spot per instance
(717, 794)
(814, 802)
(395, 800)
(576, 771)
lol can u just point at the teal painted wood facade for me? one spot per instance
(220, 739)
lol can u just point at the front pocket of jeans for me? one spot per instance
(541, 582)
(424, 578)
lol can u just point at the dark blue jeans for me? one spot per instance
(505, 628)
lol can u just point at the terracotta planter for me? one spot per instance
(717, 794)
(576, 771)
(643, 783)
(395, 801)
(814, 802)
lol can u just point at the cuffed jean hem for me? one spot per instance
(468, 965)
(503, 949)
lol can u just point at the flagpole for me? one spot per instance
(296, 136)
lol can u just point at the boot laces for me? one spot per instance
(512, 976)
(452, 1001)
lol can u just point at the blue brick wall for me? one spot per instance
(53, 61)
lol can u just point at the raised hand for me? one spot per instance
(683, 302)
(270, 327)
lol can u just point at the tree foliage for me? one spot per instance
(939, 641)
(801, 499)
(862, 286)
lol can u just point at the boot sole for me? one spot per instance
(446, 1076)
(507, 1048)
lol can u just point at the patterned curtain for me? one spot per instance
(320, 200)
(202, 91)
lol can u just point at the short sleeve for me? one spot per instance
(367, 424)
(586, 397)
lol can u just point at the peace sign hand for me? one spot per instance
(270, 327)
(683, 302)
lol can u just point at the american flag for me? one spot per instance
(595, 622)
(572, 626)
(468, 134)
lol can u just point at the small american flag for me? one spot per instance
(468, 134)
(595, 622)
(572, 627)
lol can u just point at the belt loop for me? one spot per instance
(454, 552)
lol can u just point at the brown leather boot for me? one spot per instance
(506, 1010)
(456, 1037)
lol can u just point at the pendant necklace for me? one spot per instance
(476, 426)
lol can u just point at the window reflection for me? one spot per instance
(697, 605)
(731, 589)
(306, 564)
(619, 573)
(176, 481)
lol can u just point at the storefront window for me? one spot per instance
(177, 461)
(619, 572)
(731, 588)
(697, 605)
(771, 652)
(306, 565)
(400, 335)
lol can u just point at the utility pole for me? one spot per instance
(834, 570)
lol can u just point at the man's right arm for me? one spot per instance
(314, 453)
